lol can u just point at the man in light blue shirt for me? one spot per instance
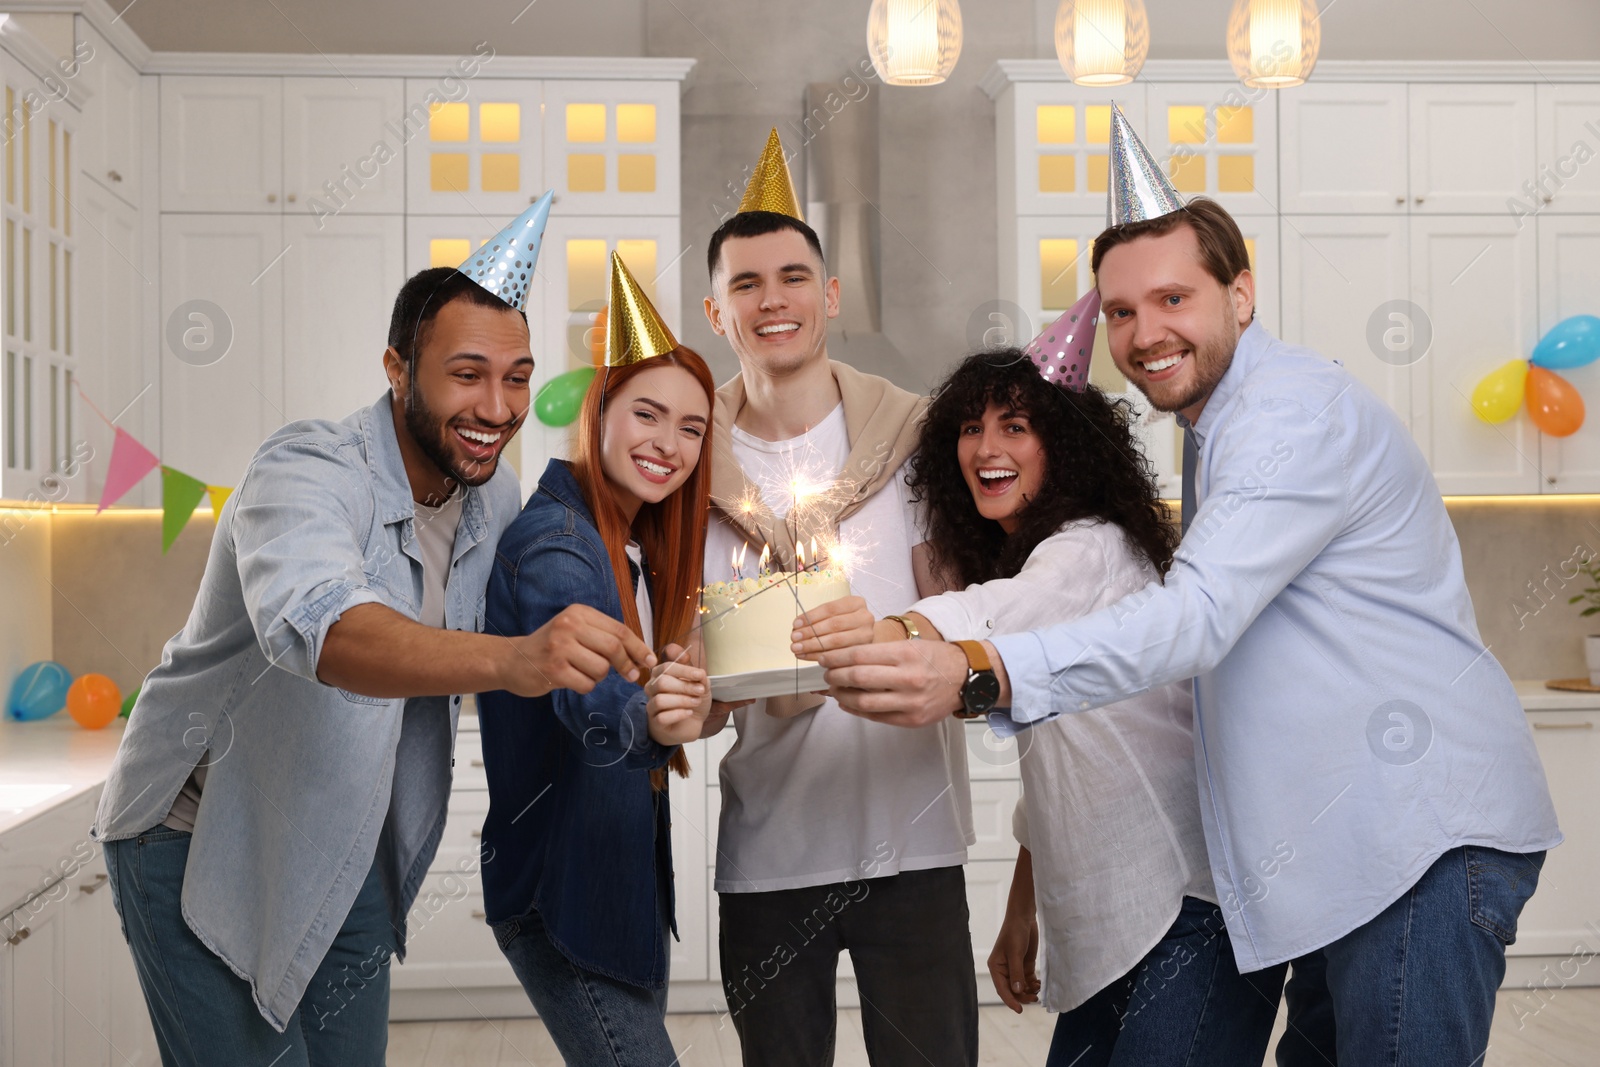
(1373, 805)
(282, 785)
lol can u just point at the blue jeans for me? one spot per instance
(1417, 983)
(594, 1020)
(204, 1014)
(1184, 1004)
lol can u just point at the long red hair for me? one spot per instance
(671, 533)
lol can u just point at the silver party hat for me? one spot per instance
(1139, 190)
(504, 265)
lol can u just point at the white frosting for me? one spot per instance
(747, 623)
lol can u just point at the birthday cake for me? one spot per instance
(747, 622)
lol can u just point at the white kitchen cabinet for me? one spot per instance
(1218, 140)
(1472, 146)
(92, 935)
(478, 155)
(1338, 271)
(32, 964)
(1476, 279)
(221, 144)
(340, 277)
(113, 118)
(342, 153)
(1561, 912)
(1569, 284)
(1343, 148)
(222, 348)
(610, 147)
(1054, 144)
(1568, 140)
(111, 353)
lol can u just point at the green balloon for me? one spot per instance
(560, 399)
(127, 701)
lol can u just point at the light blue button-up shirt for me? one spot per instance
(1350, 725)
(307, 785)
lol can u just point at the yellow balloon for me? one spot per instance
(1498, 396)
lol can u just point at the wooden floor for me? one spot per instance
(1560, 1029)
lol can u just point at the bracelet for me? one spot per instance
(912, 633)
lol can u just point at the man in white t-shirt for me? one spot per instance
(837, 834)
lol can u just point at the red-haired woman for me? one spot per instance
(577, 865)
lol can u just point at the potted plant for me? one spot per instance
(1590, 598)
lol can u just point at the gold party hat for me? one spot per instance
(633, 329)
(771, 188)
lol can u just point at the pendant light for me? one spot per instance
(1102, 42)
(914, 42)
(1273, 44)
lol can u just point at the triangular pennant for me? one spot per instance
(180, 495)
(130, 461)
(219, 496)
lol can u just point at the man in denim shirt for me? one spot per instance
(282, 785)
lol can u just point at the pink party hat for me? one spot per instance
(1063, 350)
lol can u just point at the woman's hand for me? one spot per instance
(1011, 964)
(840, 623)
(679, 698)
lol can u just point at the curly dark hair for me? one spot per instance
(1094, 469)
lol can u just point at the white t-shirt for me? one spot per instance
(826, 796)
(641, 594)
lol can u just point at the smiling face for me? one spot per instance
(651, 434)
(466, 398)
(1003, 462)
(1171, 325)
(772, 302)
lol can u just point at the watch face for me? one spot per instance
(980, 692)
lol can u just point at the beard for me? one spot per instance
(432, 435)
(1212, 358)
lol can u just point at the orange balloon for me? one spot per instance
(597, 337)
(94, 700)
(1553, 404)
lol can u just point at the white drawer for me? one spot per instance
(448, 941)
(463, 831)
(469, 772)
(991, 757)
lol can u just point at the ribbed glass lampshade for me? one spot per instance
(1102, 42)
(914, 42)
(1273, 44)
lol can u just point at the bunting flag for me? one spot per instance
(219, 496)
(130, 461)
(180, 495)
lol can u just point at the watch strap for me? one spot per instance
(977, 658)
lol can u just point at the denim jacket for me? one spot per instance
(307, 785)
(575, 829)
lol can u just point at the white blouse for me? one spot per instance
(1110, 809)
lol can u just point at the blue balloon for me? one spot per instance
(39, 691)
(1573, 342)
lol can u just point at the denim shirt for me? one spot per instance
(1350, 726)
(307, 785)
(575, 829)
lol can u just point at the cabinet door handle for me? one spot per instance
(1585, 725)
(477, 763)
(477, 833)
(99, 880)
(477, 913)
(272, 198)
(1399, 199)
(113, 175)
(1419, 199)
(291, 198)
(18, 937)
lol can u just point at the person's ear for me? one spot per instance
(830, 296)
(714, 317)
(1243, 294)
(394, 368)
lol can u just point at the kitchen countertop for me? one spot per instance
(1535, 697)
(45, 763)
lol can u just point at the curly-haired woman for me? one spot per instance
(1041, 508)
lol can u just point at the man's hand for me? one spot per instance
(575, 650)
(1011, 964)
(679, 699)
(837, 624)
(905, 683)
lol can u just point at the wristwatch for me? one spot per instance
(981, 689)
